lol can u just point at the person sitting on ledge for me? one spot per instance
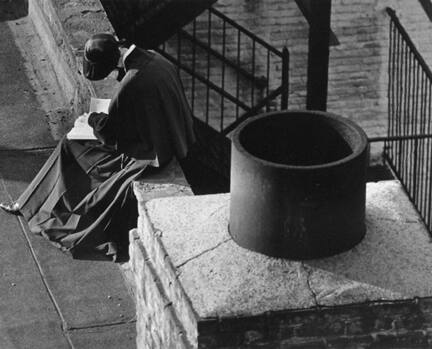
(81, 199)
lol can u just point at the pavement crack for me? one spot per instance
(19, 150)
(45, 282)
(203, 252)
(109, 324)
(84, 12)
(308, 272)
(217, 210)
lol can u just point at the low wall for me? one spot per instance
(196, 288)
(63, 27)
(166, 183)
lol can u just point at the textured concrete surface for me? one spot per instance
(206, 215)
(223, 279)
(19, 107)
(46, 88)
(242, 283)
(88, 293)
(170, 181)
(48, 300)
(395, 255)
(28, 317)
(66, 25)
(116, 337)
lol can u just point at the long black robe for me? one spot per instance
(81, 199)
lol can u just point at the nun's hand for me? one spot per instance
(97, 120)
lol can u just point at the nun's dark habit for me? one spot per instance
(82, 200)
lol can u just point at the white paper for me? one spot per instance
(99, 105)
(82, 130)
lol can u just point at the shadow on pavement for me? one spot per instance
(21, 165)
(13, 9)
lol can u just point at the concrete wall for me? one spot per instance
(63, 27)
(196, 288)
(50, 30)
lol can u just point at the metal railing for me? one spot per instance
(229, 72)
(408, 145)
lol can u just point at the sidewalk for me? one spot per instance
(48, 300)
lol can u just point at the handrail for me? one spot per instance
(408, 145)
(399, 138)
(246, 31)
(258, 80)
(409, 42)
(204, 80)
(243, 89)
(252, 111)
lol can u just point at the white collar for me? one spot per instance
(128, 52)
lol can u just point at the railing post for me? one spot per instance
(415, 179)
(285, 79)
(318, 56)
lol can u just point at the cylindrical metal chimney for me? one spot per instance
(298, 184)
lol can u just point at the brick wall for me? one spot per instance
(358, 66)
(157, 323)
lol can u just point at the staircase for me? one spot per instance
(228, 72)
(148, 23)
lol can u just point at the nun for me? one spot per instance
(81, 200)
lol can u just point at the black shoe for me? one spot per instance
(11, 208)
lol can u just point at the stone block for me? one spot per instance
(221, 295)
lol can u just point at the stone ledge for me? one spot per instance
(170, 181)
(213, 283)
(167, 182)
(63, 27)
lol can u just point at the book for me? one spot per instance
(81, 129)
